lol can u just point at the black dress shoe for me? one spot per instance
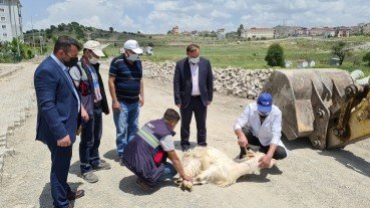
(185, 148)
(75, 195)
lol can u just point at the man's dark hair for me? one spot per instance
(64, 43)
(171, 115)
(192, 47)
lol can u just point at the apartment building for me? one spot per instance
(10, 20)
(258, 33)
(175, 30)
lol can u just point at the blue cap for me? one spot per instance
(264, 102)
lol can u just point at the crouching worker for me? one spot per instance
(260, 125)
(146, 155)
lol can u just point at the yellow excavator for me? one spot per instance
(325, 105)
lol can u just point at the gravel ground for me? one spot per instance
(307, 178)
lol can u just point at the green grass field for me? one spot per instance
(238, 53)
(251, 54)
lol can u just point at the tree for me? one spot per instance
(240, 30)
(275, 55)
(14, 51)
(52, 28)
(79, 33)
(231, 35)
(341, 51)
(111, 29)
(367, 58)
(61, 27)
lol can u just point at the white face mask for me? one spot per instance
(263, 113)
(194, 60)
(133, 57)
(93, 60)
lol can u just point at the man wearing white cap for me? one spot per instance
(127, 91)
(89, 83)
(260, 125)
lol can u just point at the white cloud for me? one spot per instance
(218, 14)
(235, 5)
(245, 18)
(167, 6)
(156, 16)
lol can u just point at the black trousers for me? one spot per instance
(200, 111)
(280, 152)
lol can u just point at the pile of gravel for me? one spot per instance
(230, 81)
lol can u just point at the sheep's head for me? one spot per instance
(257, 156)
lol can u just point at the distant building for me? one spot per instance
(311, 63)
(317, 31)
(301, 31)
(342, 32)
(288, 63)
(175, 30)
(258, 33)
(186, 33)
(10, 20)
(302, 63)
(221, 34)
(285, 31)
(329, 32)
(334, 61)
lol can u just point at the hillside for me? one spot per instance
(234, 52)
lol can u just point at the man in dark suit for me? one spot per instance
(193, 92)
(58, 105)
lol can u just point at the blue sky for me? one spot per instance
(156, 16)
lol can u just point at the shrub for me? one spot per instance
(275, 55)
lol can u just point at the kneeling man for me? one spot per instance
(260, 125)
(146, 155)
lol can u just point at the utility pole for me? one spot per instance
(33, 36)
(41, 40)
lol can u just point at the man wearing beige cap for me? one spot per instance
(127, 91)
(89, 83)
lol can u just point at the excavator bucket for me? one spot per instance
(310, 101)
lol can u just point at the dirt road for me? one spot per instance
(307, 178)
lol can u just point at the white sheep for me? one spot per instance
(210, 165)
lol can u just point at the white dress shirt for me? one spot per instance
(269, 132)
(65, 70)
(195, 79)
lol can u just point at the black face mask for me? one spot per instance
(72, 62)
